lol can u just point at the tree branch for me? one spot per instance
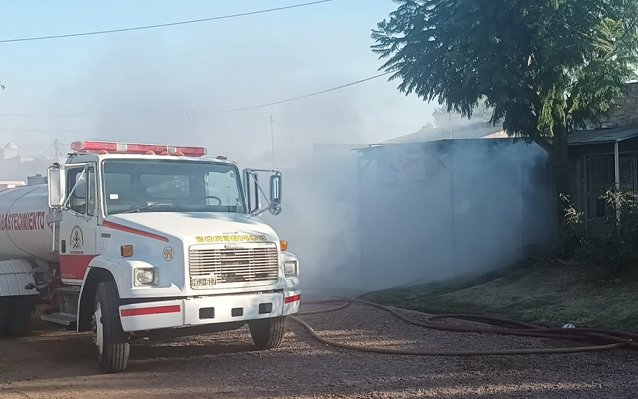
(542, 142)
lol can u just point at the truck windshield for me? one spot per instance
(170, 186)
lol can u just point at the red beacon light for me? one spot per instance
(105, 147)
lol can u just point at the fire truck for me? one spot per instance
(138, 242)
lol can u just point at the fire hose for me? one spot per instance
(608, 338)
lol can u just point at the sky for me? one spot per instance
(172, 85)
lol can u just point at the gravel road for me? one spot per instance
(53, 363)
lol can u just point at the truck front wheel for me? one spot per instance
(111, 342)
(267, 333)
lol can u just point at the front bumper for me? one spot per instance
(208, 310)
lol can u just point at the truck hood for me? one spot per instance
(189, 226)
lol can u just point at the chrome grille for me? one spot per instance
(233, 264)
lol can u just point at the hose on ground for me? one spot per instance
(494, 325)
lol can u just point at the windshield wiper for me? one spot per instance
(147, 206)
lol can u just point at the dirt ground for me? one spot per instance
(54, 363)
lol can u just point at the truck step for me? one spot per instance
(65, 319)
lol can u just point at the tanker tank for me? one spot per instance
(24, 233)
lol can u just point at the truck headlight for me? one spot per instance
(291, 268)
(145, 276)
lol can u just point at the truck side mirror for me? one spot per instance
(251, 187)
(254, 192)
(56, 186)
(275, 194)
(275, 188)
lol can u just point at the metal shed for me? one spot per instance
(448, 207)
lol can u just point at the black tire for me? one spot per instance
(113, 354)
(4, 315)
(21, 309)
(267, 333)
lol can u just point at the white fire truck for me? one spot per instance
(138, 241)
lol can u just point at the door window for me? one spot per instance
(81, 190)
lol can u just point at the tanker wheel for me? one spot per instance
(4, 314)
(111, 342)
(267, 333)
(21, 309)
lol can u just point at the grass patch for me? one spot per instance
(546, 293)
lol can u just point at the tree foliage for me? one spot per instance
(545, 67)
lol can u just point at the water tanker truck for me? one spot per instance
(138, 242)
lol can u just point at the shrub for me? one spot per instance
(616, 250)
(573, 229)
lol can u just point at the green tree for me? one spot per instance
(545, 67)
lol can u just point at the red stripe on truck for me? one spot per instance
(150, 310)
(73, 267)
(116, 226)
(293, 298)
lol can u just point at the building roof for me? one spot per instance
(471, 131)
(601, 136)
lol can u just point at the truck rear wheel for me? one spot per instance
(15, 314)
(4, 314)
(111, 342)
(20, 310)
(267, 333)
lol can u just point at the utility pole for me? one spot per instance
(272, 142)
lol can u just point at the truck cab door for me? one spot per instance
(78, 227)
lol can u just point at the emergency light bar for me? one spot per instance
(142, 149)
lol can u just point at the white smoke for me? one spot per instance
(414, 213)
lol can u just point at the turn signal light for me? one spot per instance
(126, 251)
(284, 245)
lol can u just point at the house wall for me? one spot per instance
(592, 168)
(626, 111)
(583, 158)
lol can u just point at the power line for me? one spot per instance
(192, 21)
(287, 100)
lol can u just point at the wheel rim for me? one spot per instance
(98, 329)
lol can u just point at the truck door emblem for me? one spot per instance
(168, 254)
(77, 239)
